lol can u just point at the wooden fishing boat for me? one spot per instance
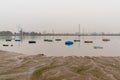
(76, 40)
(48, 40)
(58, 39)
(88, 41)
(8, 40)
(105, 39)
(98, 47)
(5, 45)
(31, 42)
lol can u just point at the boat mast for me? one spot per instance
(20, 30)
(53, 33)
(79, 30)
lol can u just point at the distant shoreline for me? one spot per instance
(21, 33)
(65, 35)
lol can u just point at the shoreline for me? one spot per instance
(15, 66)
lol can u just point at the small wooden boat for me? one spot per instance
(98, 47)
(45, 39)
(88, 41)
(31, 42)
(48, 40)
(5, 45)
(105, 39)
(68, 43)
(17, 40)
(76, 40)
(57, 39)
(8, 40)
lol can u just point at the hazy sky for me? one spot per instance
(60, 15)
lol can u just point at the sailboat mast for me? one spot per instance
(20, 30)
(53, 33)
(79, 29)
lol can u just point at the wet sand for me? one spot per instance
(15, 66)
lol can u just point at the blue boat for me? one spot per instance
(69, 43)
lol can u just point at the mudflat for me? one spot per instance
(15, 66)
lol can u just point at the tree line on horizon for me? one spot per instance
(9, 33)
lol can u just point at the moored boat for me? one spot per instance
(77, 40)
(58, 39)
(88, 41)
(97, 47)
(31, 42)
(17, 40)
(8, 40)
(105, 39)
(69, 43)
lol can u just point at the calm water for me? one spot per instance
(58, 48)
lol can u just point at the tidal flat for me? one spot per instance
(16, 66)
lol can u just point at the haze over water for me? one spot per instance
(60, 15)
